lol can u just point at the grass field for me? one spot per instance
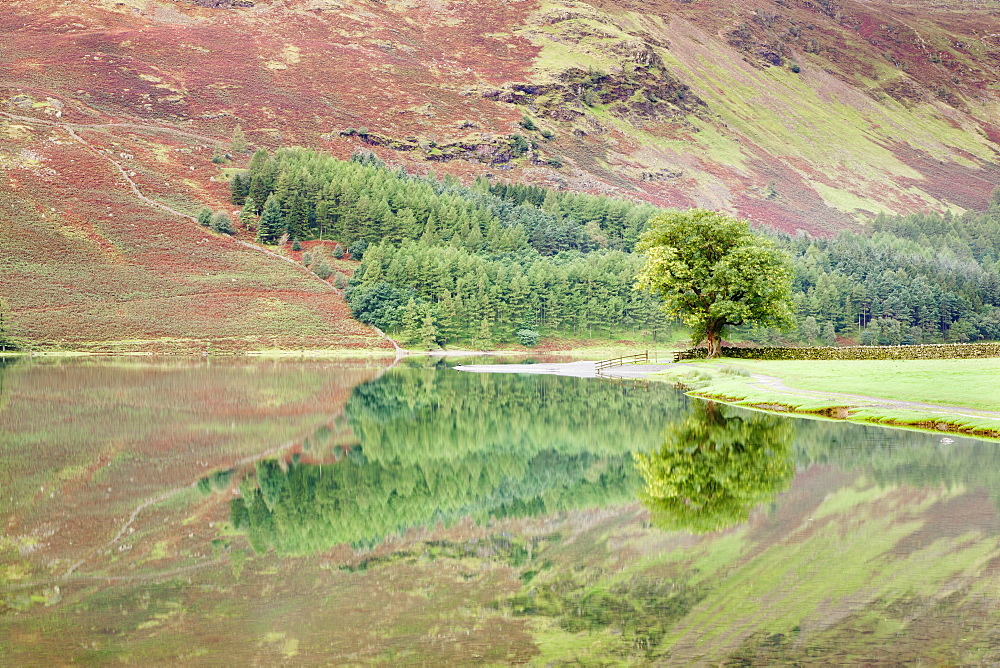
(954, 389)
(972, 383)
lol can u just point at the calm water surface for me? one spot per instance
(342, 512)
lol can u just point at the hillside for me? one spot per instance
(800, 114)
(88, 265)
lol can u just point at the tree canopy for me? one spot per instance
(712, 272)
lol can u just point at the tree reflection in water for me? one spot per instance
(430, 446)
(714, 468)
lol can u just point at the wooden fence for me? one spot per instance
(638, 358)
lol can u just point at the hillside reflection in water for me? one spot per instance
(172, 512)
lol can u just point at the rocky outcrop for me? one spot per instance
(643, 89)
(482, 148)
(223, 4)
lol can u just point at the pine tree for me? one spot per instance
(271, 226)
(448, 318)
(239, 188)
(322, 268)
(412, 323)
(828, 337)
(248, 214)
(326, 215)
(428, 331)
(297, 219)
(483, 337)
(430, 234)
(809, 329)
(262, 172)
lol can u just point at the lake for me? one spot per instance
(236, 512)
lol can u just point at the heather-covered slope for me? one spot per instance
(797, 113)
(87, 265)
(891, 106)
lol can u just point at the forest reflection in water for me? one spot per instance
(435, 447)
(431, 515)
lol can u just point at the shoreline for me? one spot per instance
(703, 381)
(594, 352)
(782, 400)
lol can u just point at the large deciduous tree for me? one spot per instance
(712, 272)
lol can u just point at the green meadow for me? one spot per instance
(950, 386)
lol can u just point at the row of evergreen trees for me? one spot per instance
(495, 262)
(435, 295)
(447, 263)
(306, 194)
(923, 278)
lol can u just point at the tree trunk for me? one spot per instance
(714, 343)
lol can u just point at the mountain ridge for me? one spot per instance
(798, 114)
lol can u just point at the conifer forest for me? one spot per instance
(491, 262)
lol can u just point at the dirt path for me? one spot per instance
(128, 179)
(105, 126)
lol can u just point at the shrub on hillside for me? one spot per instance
(527, 337)
(322, 269)
(221, 222)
